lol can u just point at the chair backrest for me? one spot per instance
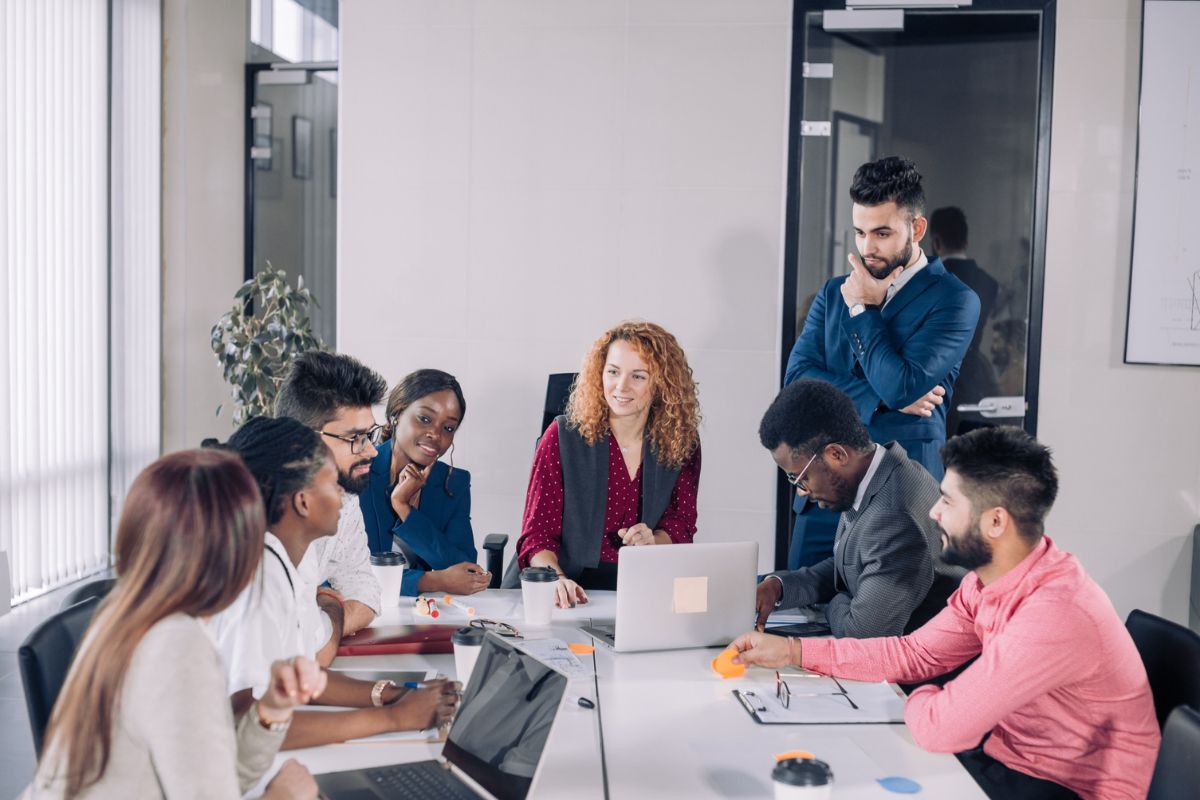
(1171, 654)
(1177, 770)
(558, 389)
(98, 589)
(45, 657)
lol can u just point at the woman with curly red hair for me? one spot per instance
(631, 436)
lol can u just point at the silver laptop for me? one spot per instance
(684, 595)
(494, 749)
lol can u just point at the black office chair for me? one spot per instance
(99, 589)
(1177, 770)
(45, 657)
(558, 390)
(1171, 654)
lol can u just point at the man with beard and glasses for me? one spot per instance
(1057, 703)
(891, 334)
(884, 577)
(333, 394)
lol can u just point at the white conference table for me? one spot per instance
(671, 726)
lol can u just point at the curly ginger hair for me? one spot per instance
(673, 427)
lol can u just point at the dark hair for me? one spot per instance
(320, 384)
(949, 224)
(282, 454)
(889, 180)
(415, 385)
(411, 388)
(188, 541)
(1005, 467)
(810, 414)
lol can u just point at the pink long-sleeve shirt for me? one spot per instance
(1059, 682)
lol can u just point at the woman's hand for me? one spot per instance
(568, 593)
(431, 707)
(408, 483)
(636, 535)
(292, 782)
(463, 578)
(294, 682)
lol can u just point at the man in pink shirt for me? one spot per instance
(1058, 694)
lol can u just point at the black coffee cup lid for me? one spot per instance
(539, 574)
(387, 559)
(802, 772)
(472, 637)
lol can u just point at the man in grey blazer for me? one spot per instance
(885, 554)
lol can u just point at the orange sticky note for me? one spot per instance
(580, 649)
(723, 664)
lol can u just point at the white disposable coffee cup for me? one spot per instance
(802, 779)
(467, 644)
(538, 585)
(388, 569)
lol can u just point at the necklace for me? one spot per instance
(631, 445)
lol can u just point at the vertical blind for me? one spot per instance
(57, 355)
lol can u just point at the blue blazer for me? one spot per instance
(436, 535)
(891, 357)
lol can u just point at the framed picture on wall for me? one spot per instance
(302, 148)
(333, 163)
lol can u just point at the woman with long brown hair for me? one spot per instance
(631, 433)
(144, 711)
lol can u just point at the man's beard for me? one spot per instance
(970, 552)
(900, 260)
(843, 493)
(355, 485)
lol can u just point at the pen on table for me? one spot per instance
(459, 604)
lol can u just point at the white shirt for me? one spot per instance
(906, 276)
(267, 622)
(344, 560)
(876, 460)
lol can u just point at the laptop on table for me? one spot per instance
(681, 596)
(494, 748)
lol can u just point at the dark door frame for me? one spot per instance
(1041, 194)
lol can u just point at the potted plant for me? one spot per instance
(255, 340)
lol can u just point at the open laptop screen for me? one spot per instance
(500, 732)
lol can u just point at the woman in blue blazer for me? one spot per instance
(415, 504)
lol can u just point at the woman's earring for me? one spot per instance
(446, 486)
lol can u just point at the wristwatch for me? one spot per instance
(272, 726)
(377, 691)
(859, 308)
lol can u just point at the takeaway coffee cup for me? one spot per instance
(388, 569)
(538, 585)
(802, 779)
(467, 644)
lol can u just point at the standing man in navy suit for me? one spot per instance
(891, 334)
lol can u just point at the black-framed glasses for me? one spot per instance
(783, 692)
(502, 628)
(797, 479)
(358, 442)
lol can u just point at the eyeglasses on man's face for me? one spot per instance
(797, 479)
(358, 441)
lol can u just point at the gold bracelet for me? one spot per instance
(275, 726)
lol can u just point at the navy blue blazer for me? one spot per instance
(887, 359)
(438, 533)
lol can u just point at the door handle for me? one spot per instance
(996, 407)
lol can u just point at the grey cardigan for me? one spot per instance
(174, 734)
(884, 555)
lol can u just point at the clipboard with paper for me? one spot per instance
(807, 698)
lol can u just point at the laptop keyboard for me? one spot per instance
(420, 781)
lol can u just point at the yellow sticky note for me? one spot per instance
(691, 596)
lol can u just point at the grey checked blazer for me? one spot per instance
(884, 556)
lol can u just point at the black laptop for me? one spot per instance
(494, 747)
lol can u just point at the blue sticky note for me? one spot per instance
(899, 785)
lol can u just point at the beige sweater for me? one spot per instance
(175, 735)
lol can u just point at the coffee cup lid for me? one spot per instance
(387, 559)
(471, 637)
(802, 772)
(539, 574)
